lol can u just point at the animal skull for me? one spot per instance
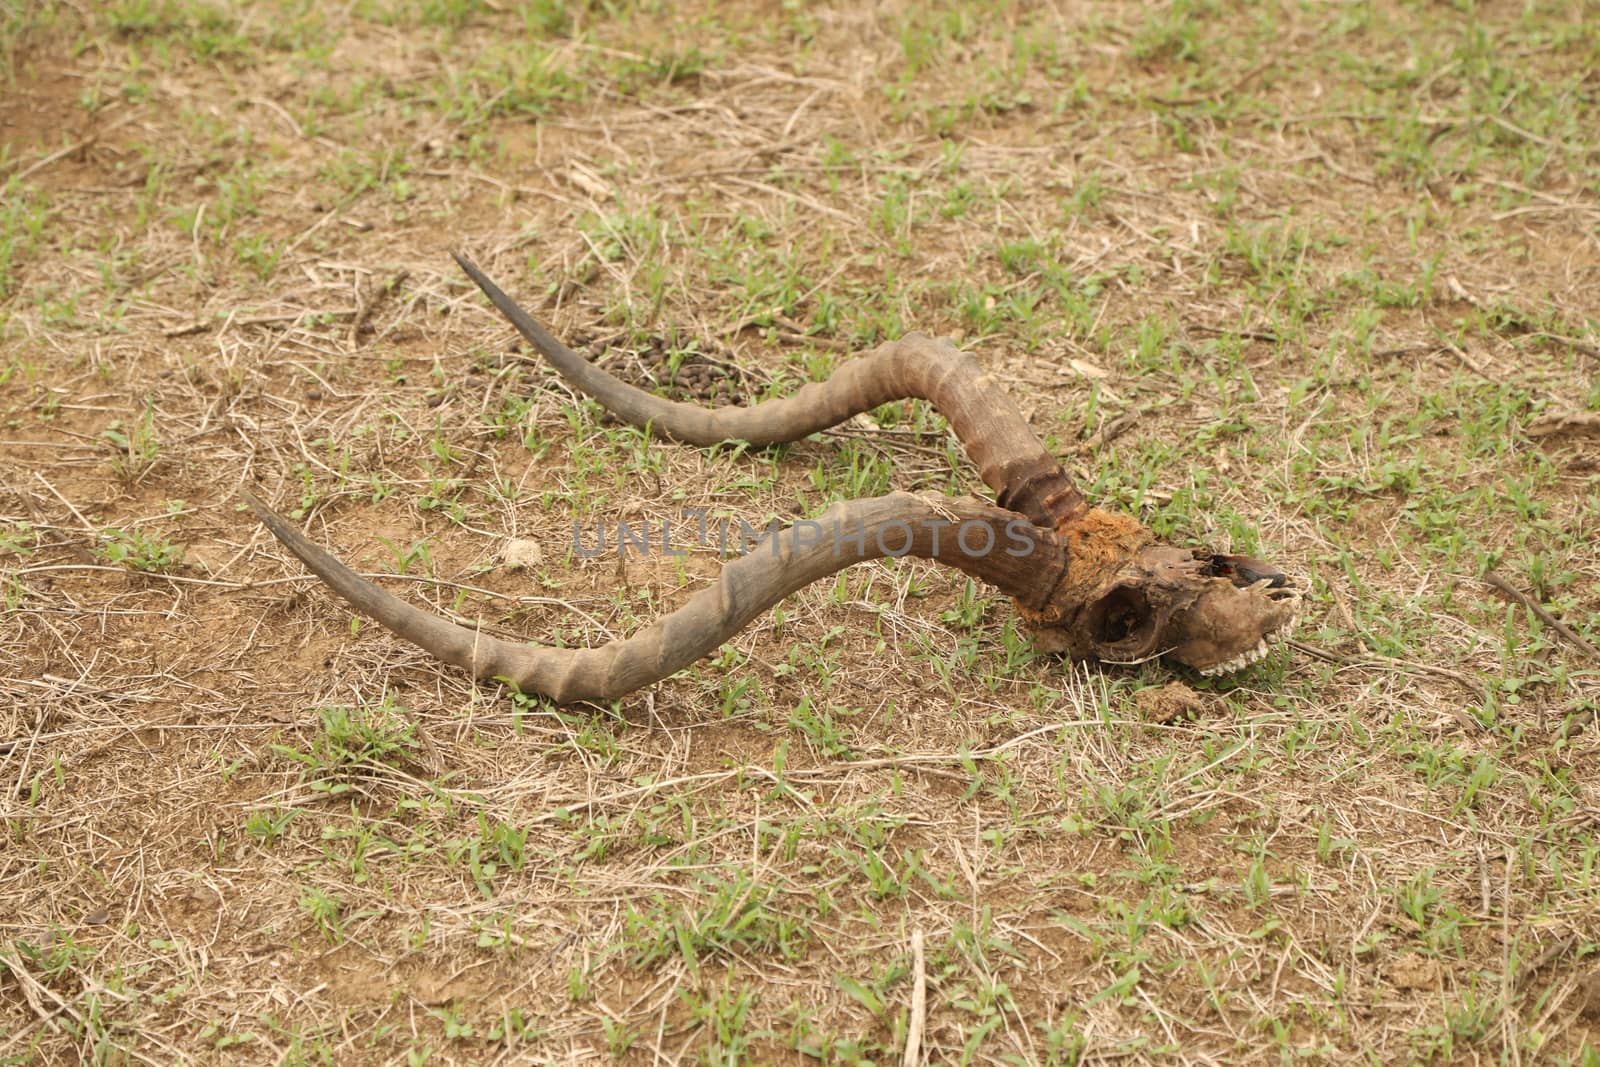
(1192, 607)
(1094, 584)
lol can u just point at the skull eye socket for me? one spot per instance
(1122, 616)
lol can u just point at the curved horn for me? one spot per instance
(1011, 460)
(989, 543)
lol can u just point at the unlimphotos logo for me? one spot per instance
(895, 538)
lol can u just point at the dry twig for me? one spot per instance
(919, 1004)
(1577, 640)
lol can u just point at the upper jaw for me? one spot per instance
(1250, 657)
(1272, 607)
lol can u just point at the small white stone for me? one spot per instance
(521, 553)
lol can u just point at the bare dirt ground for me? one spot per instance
(1320, 284)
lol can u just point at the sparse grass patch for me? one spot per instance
(349, 741)
(140, 551)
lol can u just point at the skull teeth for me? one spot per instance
(1241, 661)
(1263, 646)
